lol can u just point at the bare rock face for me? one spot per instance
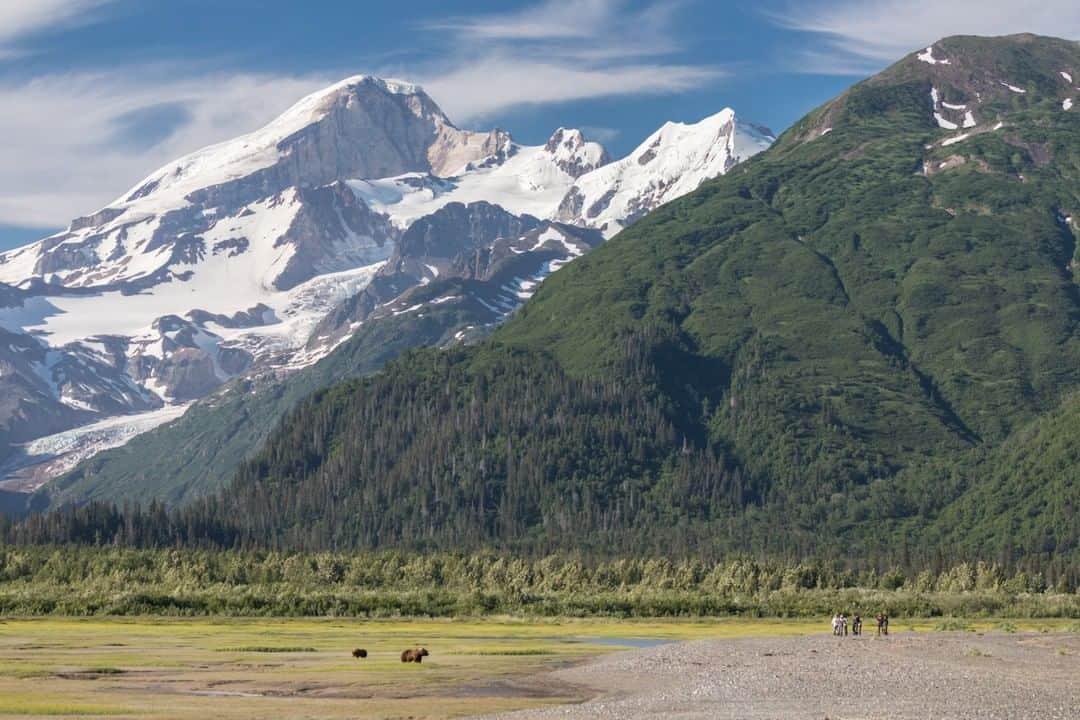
(573, 154)
(454, 150)
(494, 280)
(95, 378)
(454, 241)
(258, 315)
(478, 259)
(367, 128)
(10, 296)
(181, 359)
(333, 231)
(448, 239)
(45, 390)
(233, 361)
(188, 373)
(29, 405)
(93, 220)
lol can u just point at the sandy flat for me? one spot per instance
(906, 675)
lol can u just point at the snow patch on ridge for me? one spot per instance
(935, 98)
(945, 124)
(927, 56)
(956, 139)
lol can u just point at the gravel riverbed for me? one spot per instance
(991, 676)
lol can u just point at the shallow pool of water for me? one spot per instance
(633, 642)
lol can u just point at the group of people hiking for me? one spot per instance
(840, 624)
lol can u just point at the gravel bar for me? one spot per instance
(926, 676)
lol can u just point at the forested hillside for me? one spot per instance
(1027, 490)
(856, 345)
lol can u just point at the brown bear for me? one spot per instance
(415, 655)
(359, 653)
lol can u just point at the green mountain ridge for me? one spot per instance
(924, 312)
(856, 343)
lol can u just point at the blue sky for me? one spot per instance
(96, 94)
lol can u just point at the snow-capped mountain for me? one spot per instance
(673, 161)
(573, 181)
(531, 180)
(264, 252)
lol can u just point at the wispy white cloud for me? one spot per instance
(600, 134)
(580, 28)
(554, 19)
(20, 18)
(863, 35)
(494, 83)
(828, 61)
(72, 155)
(559, 51)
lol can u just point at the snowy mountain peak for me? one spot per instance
(693, 137)
(390, 85)
(671, 162)
(574, 154)
(363, 126)
(357, 88)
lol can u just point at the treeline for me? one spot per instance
(114, 581)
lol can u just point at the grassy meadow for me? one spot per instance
(155, 633)
(298, 668)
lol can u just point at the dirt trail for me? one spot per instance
(993, 676)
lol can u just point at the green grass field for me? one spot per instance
(302, 668)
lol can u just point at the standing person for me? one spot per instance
(886, 619)
(843, 623)
(856, 625)
(835, 624)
